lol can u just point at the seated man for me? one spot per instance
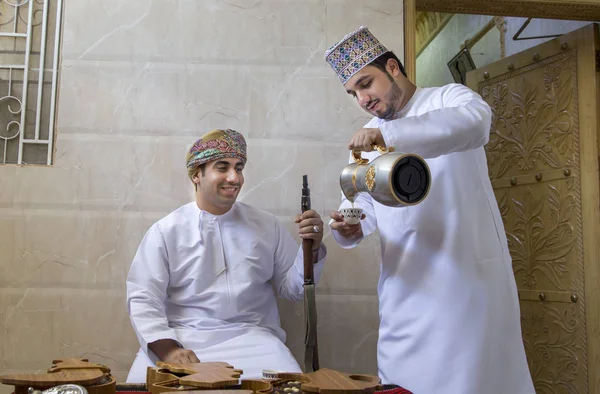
(202, 283)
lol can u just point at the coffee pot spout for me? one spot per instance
(347, 182)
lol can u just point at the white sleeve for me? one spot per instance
(461, 125)
(288, 271)
(147, 290)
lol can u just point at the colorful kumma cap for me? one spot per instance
(217, 144)
(353, 52)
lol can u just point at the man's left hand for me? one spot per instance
(310, 226)
(364, 139)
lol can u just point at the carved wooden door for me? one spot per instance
(543, 163)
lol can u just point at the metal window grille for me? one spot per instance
(29, 55)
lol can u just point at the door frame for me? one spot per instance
(589, 125)
(585, 10)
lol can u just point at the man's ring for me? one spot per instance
(315, 229)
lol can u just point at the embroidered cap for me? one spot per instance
(217, 144)
(355, 51)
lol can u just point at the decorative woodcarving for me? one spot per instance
(533, 120)
(571, 10)
(429, 25)
(533, 158)
(541, 235)
(554, 339)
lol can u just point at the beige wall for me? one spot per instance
(140, 81)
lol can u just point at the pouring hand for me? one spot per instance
(345, 229)
(364, 139)
(308, 222)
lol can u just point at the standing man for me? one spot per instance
(449, 311)
(203, 282)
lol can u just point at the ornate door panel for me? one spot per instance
(543, 163)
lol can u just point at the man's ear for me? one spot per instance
(196, 177)
(392, 67)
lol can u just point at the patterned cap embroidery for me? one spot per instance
(217, 144)
(355, 51)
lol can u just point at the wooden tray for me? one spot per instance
(329, 381)
(225, 391)
(205, 375)
(95, 378)
(173, 386)
(189, 377)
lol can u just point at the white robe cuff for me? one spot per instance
(345, 242)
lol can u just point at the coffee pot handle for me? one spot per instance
(356, 154)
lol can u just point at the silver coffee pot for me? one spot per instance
(392, 179)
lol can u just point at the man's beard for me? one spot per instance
(393, 99)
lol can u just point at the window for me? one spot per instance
(29, 54)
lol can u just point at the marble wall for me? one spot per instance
(140, 81)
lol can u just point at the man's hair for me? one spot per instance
(382, 60)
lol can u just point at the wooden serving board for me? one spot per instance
(224, 376)
(76, 371)
(329, 381)
(95, 378)
(173, 386)
(83, 378)
(209, 375)
(226, 391)
(76, 363)
(257, 386)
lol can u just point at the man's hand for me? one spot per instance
(363, 140)
(169, 352)
(181, 356)
(345, 229)
(308, 222)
